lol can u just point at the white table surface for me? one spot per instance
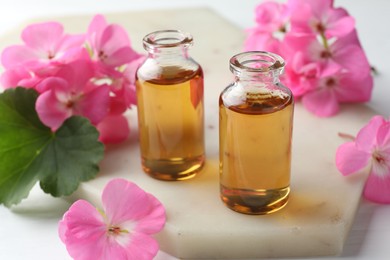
(29, 230)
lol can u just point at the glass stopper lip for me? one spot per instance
(167, 39)
(256, 61)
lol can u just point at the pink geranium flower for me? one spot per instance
(43, 44)
(344, 52)
(320, 17)
(370, 150)
(326, 64)
(271, 25)
(91, 75)
(336, 86)
(109, 45)
(122, 230)
(69, 93)
(271, 16)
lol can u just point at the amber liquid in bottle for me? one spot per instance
(170, 114)
(255, 153)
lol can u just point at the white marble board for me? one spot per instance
(322, 206)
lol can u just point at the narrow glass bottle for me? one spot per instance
(170, 107)
(256, 114)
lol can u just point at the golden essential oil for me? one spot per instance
(170, 113)
(255, 143)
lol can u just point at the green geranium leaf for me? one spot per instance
(31, 152)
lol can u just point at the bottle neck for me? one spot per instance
(258, 79)
(168, 45)
(257, 68)
(169, 55)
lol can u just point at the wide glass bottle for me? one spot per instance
(170, 107)
(256, 116)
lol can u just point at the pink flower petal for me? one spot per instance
(83, 231)
(349, 39)
(125, 96)
(337, 13)
(30, 82)
(113, 250)
(95, 30)
(330, 70)
(377, 189)
(17, 55)
(131, 69)
(46, 69)
(124, 200)
(121, 56)
(351, 57)
(155, 220)
(300, 12)
(350, 160)
(270, 16)
(381, 167)
(320, 7)
(77, 73)
(11, 78)
(305, 43)
(114, 37)
(301, 76)
(69, 42)
(50, 111)
(113, 129)
(141, 247)
(366, 138)
(51, 83)
(43, 36)
(354, 89)
(95, 104)
(130, 96)
(341, 27)
(117, 104)
(321, 102)
(383, 136)
(73, 54)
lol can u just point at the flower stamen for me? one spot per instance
(102, 55)
(378, 157)
(320, 28)
(330, 82)
(114, 230)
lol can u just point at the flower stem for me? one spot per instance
(374, 71)
(324, 41)
(346, 136)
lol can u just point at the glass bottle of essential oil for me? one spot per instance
(256, 115)
(170, 107)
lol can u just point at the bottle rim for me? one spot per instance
(256, 62)
(167, 39)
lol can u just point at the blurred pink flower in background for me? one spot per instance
(320, 17)
(370, 150)
(122, 230)
(44, 43)
(109, 45)
(326, 64)
(92, 75)
(271, 20)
